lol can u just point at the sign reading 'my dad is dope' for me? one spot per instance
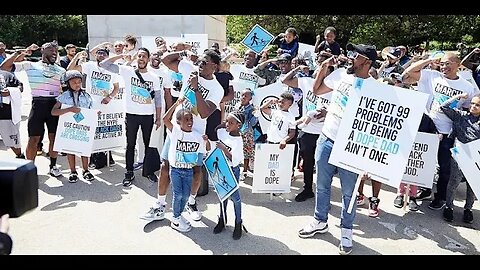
(377, 130)
(273, 168)
(75, 132)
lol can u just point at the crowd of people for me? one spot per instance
(158, 85)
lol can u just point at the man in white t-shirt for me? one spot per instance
(203, 94)
(143, 100)
(308, 136)
(361, 58)
(441, 86)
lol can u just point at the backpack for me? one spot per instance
(99, 159)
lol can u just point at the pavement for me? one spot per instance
(102, 217)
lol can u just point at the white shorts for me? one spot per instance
(10, 133)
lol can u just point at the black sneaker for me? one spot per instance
(425, 194)
(448, 214)
(304, 195)
(436, 204)
(219, 227)
(398, 202)
(73, 178)
(87, 175)
(467, 216)
(129, 177)
(21, 156)
(153, 178)
(237, 232)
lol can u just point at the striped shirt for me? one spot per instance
(44, 78)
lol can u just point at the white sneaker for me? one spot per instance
(54, 171)
(346, 243)
(154, 214)
(313, 228)
(193, 211)
(180, 225)
(301, 125)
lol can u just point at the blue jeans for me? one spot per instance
(181, 183)
(325, 173)
(237, 202)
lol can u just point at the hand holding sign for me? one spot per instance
(193, 80)
(74, 109)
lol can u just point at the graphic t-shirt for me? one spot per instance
(137, 94)
(442, 89)
(280, 123)
(210, 90)
(5, 106)
(184, 148)
(234, 145)
(164, 79)
(99, 81)
(312, 102)
(341, 83)
(44, 79)
(243, 78)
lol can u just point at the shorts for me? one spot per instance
(166, 146)
(41, 114)
(10, 133)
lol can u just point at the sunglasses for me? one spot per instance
(354, 55)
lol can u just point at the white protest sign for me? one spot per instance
(421, 162)
(261, 95)
(377, 130)
(75, 132)
(273, 168)
(110, 133)
(199, 42)
(468, 159)
(243, 77)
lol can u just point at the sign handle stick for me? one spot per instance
(406, 197)
(353, 199)
(271, 196)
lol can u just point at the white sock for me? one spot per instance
(346, 237)
(191, 199)
(160, 201)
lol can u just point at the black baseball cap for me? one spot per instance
(366, 50)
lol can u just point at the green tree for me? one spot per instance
(23, 30)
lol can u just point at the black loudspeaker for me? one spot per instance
(18, 187)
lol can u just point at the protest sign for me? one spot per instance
(468, 159)
(75, 132)
(273, 168)
(377, 130)
(221, 174)
(243, 78)
(110, 131)
(422, 160)
(257, 39)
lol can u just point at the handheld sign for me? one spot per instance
(257, 39)
(221, 174)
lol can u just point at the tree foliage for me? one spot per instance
(23, 30)
(379, 30)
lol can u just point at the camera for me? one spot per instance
(18, 187)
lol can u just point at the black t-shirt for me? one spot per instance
(64, 62)
(7, 79)
(215, 118)
(334, 47)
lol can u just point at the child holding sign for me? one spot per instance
(77, 98)
(466, 128)
(230, 142)
(246, 107)
(185, 146)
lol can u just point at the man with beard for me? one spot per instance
(71, 51)
(143, 100)
(101, 84)
(207, 92)
(44, 78)
(361, 58)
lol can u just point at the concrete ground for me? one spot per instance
(101, 217)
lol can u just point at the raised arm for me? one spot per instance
(319, 86)
(109, 63)
(412, 73)
(452, 113)
(167, 118)
(467, 61)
